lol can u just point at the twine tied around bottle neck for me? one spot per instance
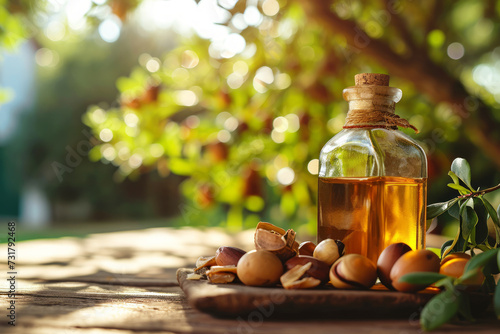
(372, 103)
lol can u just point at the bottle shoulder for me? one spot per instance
(372, 152)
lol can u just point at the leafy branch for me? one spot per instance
(471, 209)
(454, 300)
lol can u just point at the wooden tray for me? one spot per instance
(233, 300)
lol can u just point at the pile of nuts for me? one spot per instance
(279, 259)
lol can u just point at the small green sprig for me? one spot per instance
(454, 300)
(471, 209)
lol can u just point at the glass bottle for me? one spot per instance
(372, 185)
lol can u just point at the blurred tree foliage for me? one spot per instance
(246, 128)
(243, 119)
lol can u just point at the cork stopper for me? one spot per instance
(378, 79)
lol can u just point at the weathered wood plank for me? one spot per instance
(69, 315)
(124, 283)
(239, 300)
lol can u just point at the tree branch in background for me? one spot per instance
(428, 78)
(401, 26)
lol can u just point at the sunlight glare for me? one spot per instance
(75, 12)
(109, 29)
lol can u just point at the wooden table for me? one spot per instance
(124, 282)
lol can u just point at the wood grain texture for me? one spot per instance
(236, 300)
(125, 283)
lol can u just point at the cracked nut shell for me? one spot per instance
(353, 271)
(307, 248)
(318, 270)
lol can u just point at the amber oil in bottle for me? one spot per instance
(372, 184)
(368, 214)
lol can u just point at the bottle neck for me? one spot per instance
(373, 106)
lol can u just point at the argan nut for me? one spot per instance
(452, 256)
(421, 260)
(353, 271)
(259, 268)
(228, 256)
(386, 261)
(455, 268)
(329, 251)
(307, 248)
(318, 270)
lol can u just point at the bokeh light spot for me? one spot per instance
(231, 124)
(252, 16)
(153, 65)
(109, 153)
(283, 81)
(293, 122)
(189, 59)
(98, 116)
(240, 67)
(46, 57)
(224, 136)
(270, 7)
(186, 98)
(109, 29)
(285, 176)
(135, 161)
(55, 31)
(106, 135)
(313, 167)
(277, 137)
(235, 80)
(455, 50)
(131, 119)
(265, 74)
(193, 121)
(280, 124)
(436, 38)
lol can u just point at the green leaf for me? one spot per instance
(436, 209)
(445, 246)
(496, 301)
(454, 210)
(447, 282)
(421, 278)
(454, 177)
(498, 211)
(481, 230)
(465, 308)
(458, 187)
(498, 261)
(481, 260)
(469, 221)
(468, 275)
(461, 168)
(491, 211)
(440, 309)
